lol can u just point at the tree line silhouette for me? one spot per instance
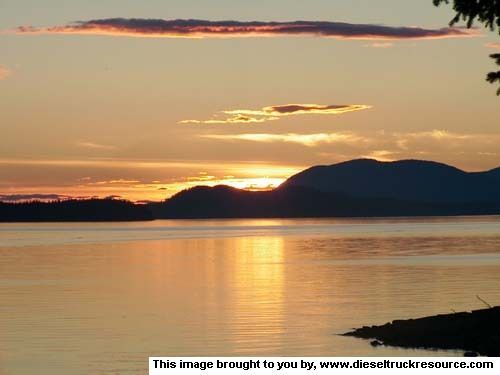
(485, 11)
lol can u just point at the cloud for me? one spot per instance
(436, 135)
(120, 181)
(32, 197)
(300, 109)
(380, 45)
(440, 144)
(272, 113)
(252, 168)
(189, 28)
(161, 178)
(4, 72)
(95, 146)
(492, 45)
(236, 119)
(309, 140)
(441, 135)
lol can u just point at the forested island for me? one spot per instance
(358, 188)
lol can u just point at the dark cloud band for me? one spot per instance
(204, 29)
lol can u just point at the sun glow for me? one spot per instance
(134, 182)
(263, 183)
(245, 183)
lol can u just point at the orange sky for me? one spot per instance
(143, 117)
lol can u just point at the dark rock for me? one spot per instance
(471, 354)
(476, 332)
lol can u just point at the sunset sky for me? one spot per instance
(144, 98)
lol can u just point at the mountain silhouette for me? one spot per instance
(358, 188)
(227, 202)
(412, 180)
(296, 202)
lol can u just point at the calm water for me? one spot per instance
(100, 298)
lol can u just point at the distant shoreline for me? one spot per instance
(358, 188)
(222, 202)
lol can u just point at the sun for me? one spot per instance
(258, 183)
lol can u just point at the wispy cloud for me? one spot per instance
(12, 198)
(492, 45)
(382, 146)
(380, 45)
(156, 178)
(120, 181)
(272, 113)
(235, 119)
(441, 135)
(4, 72)
(309, 140)
(247, 168)
(189, 28)
(95, 146)
(404, 139)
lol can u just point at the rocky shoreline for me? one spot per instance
(474, 332)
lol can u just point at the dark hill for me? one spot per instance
(297, 201)
(410, 180)
(356, 188)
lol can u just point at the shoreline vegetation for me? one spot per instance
(357, 188)
(476, 332)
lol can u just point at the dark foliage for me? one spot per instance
(74, 210)
(485, 11)
(493, 77)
